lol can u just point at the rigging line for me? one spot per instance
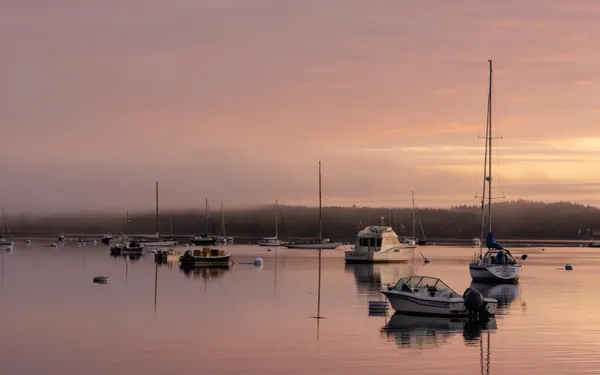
(502, 169)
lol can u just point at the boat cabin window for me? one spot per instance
(369, 242)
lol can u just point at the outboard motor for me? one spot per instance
(474, 303)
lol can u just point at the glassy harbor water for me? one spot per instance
(260, 320)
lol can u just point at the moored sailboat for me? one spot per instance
(497, 264)
(275, 240)
(5, 241)
(204, 239)
(320, 243)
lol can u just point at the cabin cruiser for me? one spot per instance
(496, 265)
(431, 296)
(326, 244)
(205, 257)
(271, 241)
(379, 244)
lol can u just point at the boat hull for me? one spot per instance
(159, 243)
(272, 243)
(315, 246)
(503, 273)
(398, 255)
(416, 304)
(203, 241)
(224, 260)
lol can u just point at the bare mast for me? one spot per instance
(413, 215)
(156, 208)
(487, 168)
(490, 152)
(276, 219)
(320, 208)
(206, 216)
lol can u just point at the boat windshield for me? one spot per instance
(422, 281)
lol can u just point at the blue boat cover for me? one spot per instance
(491, 242)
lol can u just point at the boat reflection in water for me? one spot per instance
(127, 256)
(505, 294)
(204, 273)
(420, 332)
(371, 277)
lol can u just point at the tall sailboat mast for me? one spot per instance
(413, 215)
(223, 220)
(487, 168)
(490, 152)
(206, 216)
(276, 218)
(3, 221)
(156, 208)
(320, 208)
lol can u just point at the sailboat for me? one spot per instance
(204, 239)
(319, 243)
(411, 242)
(155, 240)
(5, 241)
(497, 264)
(423, 241)
(223, 239)
(273, 241)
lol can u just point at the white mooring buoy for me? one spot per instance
(258, 261)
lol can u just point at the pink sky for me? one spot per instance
(237, 100)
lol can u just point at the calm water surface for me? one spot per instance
(157, 319)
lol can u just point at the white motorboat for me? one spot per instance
(379, 244)
(498, 264)
(425, 295)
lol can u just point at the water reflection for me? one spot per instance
(506, 294)
(370, 277)
(410, 331)
(204, 273)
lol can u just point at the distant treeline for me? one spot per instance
(516, 220)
